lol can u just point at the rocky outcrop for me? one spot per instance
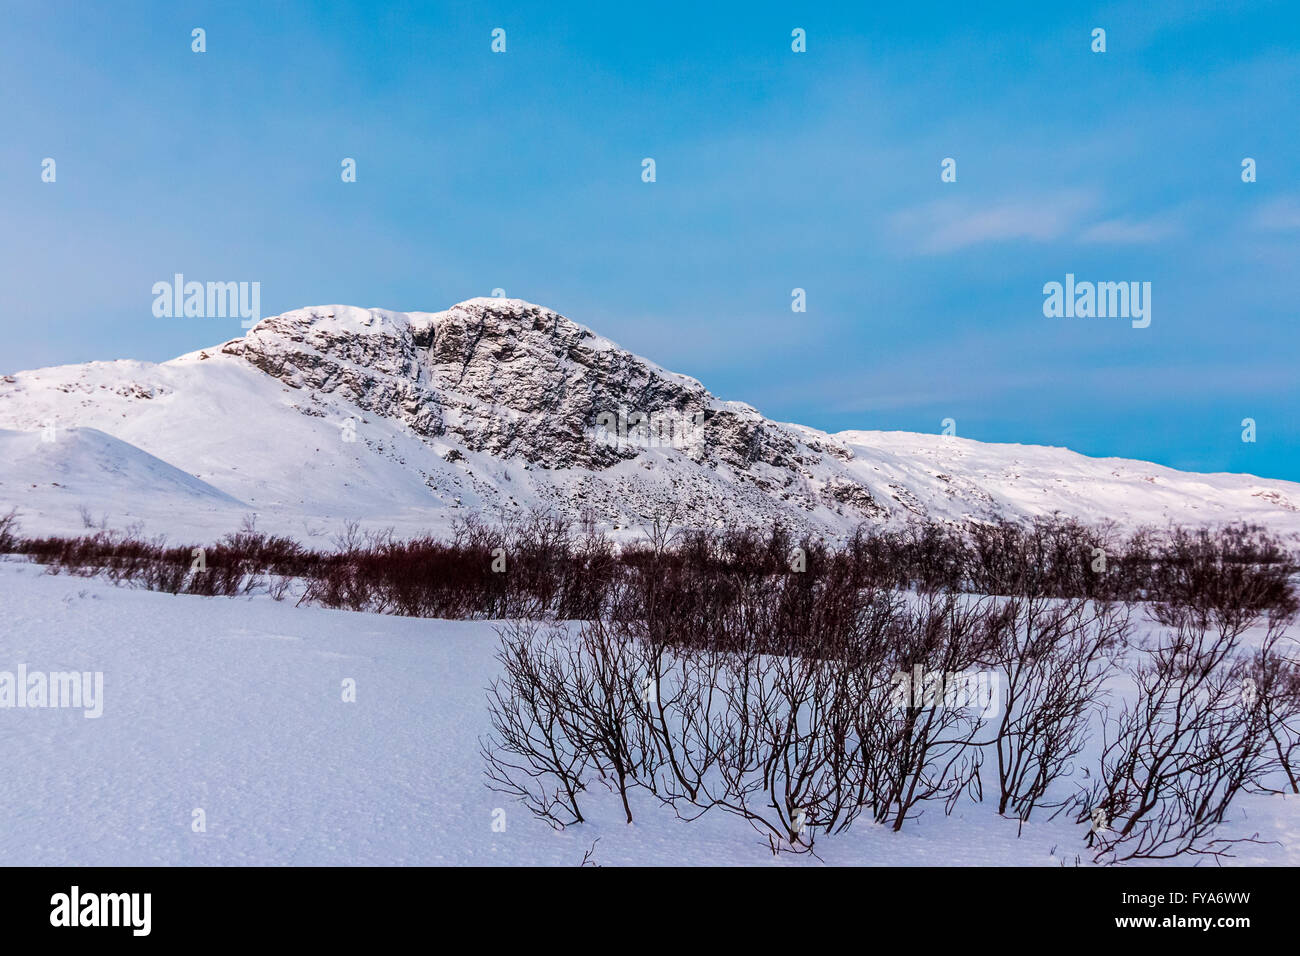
(515, 380)
(496, 406)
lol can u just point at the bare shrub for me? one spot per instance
(1054, 656)
(1274, 677)
(1175, 759)
(349, 537)
(929, 742)
(533, 753)
(1042, 557)
(606, 717)
(87, 517)
(9, 527)
(1228, 576)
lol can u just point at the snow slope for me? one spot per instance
(334, 413)
(81, 461)
(1035, 479)
(234, 706)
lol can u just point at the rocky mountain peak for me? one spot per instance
(495, 405)
(514, 379)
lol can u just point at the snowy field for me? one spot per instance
(235, 707)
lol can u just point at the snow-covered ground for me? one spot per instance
(235, 707)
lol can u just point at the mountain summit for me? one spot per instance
(411, 418)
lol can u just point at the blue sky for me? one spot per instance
(775, 170)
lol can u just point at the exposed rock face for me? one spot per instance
(515, 380)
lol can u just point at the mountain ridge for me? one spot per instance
(412, 418)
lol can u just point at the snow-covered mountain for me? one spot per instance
(335, 413)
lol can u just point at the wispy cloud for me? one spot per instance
(1278, 215)
(1131, 231)
(947, 225)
